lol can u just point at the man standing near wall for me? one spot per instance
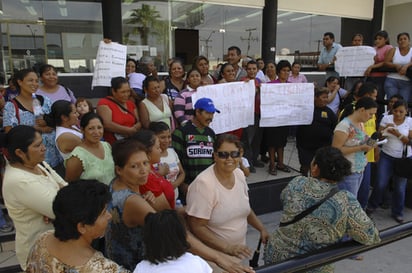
(233, 57)
(327, 55)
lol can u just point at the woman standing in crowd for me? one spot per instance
(169, 166)
(124, 241)
(214, 218)
(399, 58)
(337, 95)
(183, 107)
(64, 118)
(382, 47)
(201, 64)
(81, 217)
(175, 82)
(338, 216)
(397, 127)
(166, 246)
(92, 159)
(156, 106)
(227, 73)
(19, 111)
(50, 85)
(276, 137)
(350, 138)
(270, 71)
(318, 134)
(295, 76)
(119, 113)
(29, 187)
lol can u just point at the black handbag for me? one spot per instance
(255, 259)
(403, 166)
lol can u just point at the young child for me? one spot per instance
(244, 164)
(169, 166)
(164, 238)
(83, 106)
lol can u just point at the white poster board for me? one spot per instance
(110, 63)
(236, 102)
(352, 61)
(285, 104)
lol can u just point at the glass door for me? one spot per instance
(22, 45)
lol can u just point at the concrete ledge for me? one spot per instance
(264, 197)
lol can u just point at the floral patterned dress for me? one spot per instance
(339, 216)
(40, 260)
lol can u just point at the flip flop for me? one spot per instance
(283, 168)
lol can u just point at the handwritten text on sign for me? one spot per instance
(110, 63)
(285, 104)
(234, 100)
(352, 61)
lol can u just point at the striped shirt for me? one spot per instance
(194, 147)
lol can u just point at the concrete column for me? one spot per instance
(269, 28)
(112, 20)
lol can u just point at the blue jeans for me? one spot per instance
(2, 219)
(351, 183)
(401, 87)
(384, 174)
(363, 193)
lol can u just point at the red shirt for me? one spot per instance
(157, 184)
(118, 116)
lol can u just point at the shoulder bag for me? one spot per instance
(310, 209)
(403, 165)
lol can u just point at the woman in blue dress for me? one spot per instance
(19, 111)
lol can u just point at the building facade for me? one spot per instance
(66, 33)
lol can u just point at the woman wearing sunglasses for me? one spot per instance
(218, 202)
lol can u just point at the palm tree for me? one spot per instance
(145, 18)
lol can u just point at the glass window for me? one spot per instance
(62, 32)
(150, 28)
(300, 35)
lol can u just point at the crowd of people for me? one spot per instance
(111, 180)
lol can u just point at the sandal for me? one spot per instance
(356, 258)
(283, 168)
(272, 170)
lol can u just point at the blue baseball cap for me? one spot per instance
(206, 104)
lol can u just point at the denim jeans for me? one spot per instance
(385, 172)
(401, 87)
(351, 183)
(363, 193)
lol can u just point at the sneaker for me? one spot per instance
(6, 228)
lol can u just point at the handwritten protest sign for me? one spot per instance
(285, 104)
(234, 100)
(352, 61)
(110, 62)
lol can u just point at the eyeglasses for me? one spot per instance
(225, 155)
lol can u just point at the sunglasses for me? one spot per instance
(225, 155)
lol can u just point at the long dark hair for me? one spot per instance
(332, 164)
(164, 236)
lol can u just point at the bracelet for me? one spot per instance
(400, 136)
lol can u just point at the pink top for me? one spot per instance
(380, 58)
(299, 79)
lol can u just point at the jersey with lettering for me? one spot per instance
(194, 147)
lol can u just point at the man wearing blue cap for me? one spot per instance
(193, 142)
